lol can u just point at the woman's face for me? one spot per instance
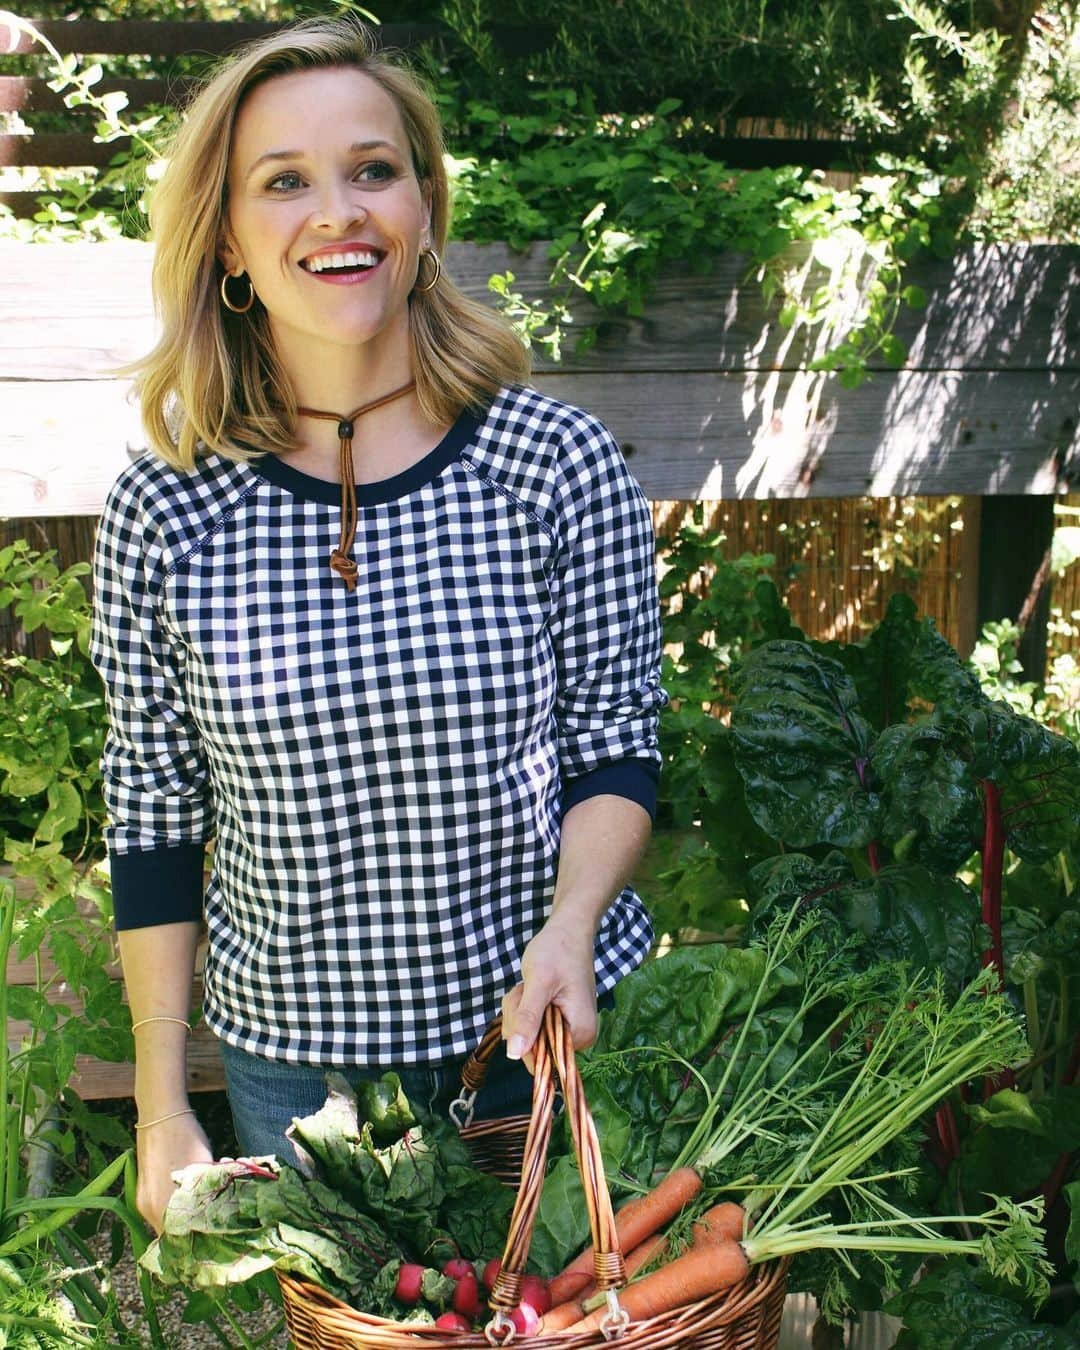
(325, 213)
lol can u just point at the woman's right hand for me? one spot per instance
(163, 1149)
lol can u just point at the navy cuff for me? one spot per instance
(635, 779)
(158, 885)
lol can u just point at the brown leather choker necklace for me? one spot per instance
(340, 561)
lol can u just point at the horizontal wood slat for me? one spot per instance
(686, 436)
(709, 395)
(59, 149)
(75, 149)
(21, 94)
(990, 308)
(163, 37)
(94, 1078)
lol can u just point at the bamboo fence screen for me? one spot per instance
(837, 560)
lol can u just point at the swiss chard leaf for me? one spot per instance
(1017, 1151)
(933, 804)
(906, 913)
(803, 748)
(562, 1224)
(1037, 772)
(950, 1304)
(881, 666)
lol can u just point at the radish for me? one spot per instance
(491, 1272)
(407, 1288)
(534, 1292)
(452, 1321)
(526, 1319)
(466, 1298)
(457, 1266)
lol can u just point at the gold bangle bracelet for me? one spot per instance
(180, 1021)
(145, 1124)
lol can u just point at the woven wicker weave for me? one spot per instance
(746, 1317)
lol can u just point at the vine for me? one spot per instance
(827, 258)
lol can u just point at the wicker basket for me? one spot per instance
(746, 1317)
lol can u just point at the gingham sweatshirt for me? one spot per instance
(384, 772)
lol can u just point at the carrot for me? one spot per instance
(638, 1219)
(562, 1316)
(724, 1222)
(699, 1272)
(566, 1314)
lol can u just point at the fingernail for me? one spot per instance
(515, 1047)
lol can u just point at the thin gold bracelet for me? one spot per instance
(180, 1021)
(145, 1124)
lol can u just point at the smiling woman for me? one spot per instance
(427, 755)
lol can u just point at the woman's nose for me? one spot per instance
(339, 206)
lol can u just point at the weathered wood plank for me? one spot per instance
(687, 436)
(988, 309)
(95, 1079)
(59, 149)
(161, 37)
(25, 94)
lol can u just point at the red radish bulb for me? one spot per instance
(457, 1266)
(452, 1321)
(491, 1272)
(466, 1298)
(526, 1319)
(407, 1288)
(534, 1292)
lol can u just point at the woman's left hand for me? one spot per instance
(556, 967)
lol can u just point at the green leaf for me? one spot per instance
(948, 1304)
(1026, 1158)
(1072, 1237)
(1007, 1109)
(933, 801)
(905, 912)
(803, 748)
(63, 815)
(914, 297)
(28, 780)
(384, 1105)
(562, 1222)
(893, 351)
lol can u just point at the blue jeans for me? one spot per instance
(265, 1094)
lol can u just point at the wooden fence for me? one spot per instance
(756, 140)
(712, 402)
(710, 398)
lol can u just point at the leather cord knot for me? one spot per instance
(341, 560)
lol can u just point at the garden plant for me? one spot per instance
(887, 793)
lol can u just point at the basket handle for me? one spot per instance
(473, 1073)
(554, 1053)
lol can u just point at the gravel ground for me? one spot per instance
(214, 1114)
(177, 1335)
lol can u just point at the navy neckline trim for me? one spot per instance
(275, 470)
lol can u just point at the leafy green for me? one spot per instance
(802, 748)
(956, 1306)
(906, 913)
(229, 1221)
(421, 1185)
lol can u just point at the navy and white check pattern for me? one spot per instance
(384, 771)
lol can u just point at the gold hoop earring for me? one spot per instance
(237, 309)
(423, 290)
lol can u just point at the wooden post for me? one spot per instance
(967, 598)
(1015, 539)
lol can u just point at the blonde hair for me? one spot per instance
(213, 382)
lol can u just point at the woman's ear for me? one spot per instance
(426, 239)
(228, 256)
